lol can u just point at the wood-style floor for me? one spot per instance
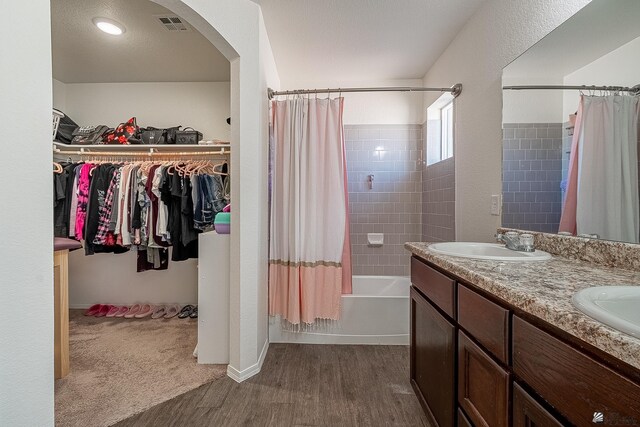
(302, 385)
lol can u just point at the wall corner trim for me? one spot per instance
(245, 374)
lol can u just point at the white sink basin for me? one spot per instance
(489, 251)
(616, 306)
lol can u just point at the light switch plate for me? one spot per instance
(496, 204)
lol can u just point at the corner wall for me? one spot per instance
(499, 32)
(26, 258)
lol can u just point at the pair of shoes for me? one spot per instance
(190, 311)
(139, 311)
(166, 311)
(98, 310)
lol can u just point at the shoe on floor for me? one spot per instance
(133, 310)
(113, 311)
(93, 310)
(103, 310)
(159, 312)
(186, 311)
(194, 313)
(172, 311)
(145, 310)
(121, 311)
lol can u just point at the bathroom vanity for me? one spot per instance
(500, 344)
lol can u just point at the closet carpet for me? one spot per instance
(120, 367)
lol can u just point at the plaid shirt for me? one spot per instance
(105, 211)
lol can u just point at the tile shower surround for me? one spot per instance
(438, 202)
(393, 154)
(531, 175)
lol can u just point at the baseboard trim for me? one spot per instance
(245, 374)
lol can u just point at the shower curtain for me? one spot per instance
(309, 251)
(602, 188)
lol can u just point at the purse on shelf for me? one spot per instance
(151, 135)
(89, 135)
(170, 134)
(188, 136)
(125, 133)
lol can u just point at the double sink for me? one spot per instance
(615, 306)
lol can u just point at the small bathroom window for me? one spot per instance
(440, 129)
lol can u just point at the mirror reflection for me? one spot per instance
(570, 127)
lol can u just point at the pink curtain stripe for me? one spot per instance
(568, 218)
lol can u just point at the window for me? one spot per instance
(440, 129)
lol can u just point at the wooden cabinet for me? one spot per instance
(572, 382)
(527, 412)
(468, 349)
(433, 360)
(483, 386)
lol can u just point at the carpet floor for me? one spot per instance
(120, 367)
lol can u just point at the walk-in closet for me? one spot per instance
(141, 207)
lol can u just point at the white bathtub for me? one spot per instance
(376, 313)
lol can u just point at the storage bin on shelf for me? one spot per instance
(222, 223)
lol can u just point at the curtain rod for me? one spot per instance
(455, 90)
(634, 90)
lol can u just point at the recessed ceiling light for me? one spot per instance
(109, 26)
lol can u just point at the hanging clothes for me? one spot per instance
(147, 206)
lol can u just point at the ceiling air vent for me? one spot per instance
(172, 23)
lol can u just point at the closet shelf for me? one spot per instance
(141, 150)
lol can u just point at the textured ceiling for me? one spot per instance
(597, 29)
(361, 40)
(146, 52)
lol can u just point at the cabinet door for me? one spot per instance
(529, 413)
(433, 360)
(483, 386)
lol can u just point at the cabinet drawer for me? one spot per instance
(433, 349)
(572, 382)
(527, 412)
(463, 421)
(483, 386)
(436, 286)
(486, 321)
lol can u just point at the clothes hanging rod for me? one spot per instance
(455, 90)
(633, 90)
(150, 153)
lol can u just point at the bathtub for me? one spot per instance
(376, 313)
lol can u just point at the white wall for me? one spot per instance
(269, 79)
(59, 95)
(532, 106)
(620, 67)
(234, 28)
(499, 32)
(26, 257)
(112, 279)
(203, 106)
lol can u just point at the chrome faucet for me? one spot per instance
(516, 242)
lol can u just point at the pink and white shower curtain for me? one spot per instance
(309, 250)
(602, 185)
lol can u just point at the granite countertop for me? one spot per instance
(544, 289)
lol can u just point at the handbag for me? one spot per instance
(88, 135)
(170, 134)
(66, 127)
(151, 135)
(125, 133)
(187, 136)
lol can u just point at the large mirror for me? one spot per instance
(570, 156)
